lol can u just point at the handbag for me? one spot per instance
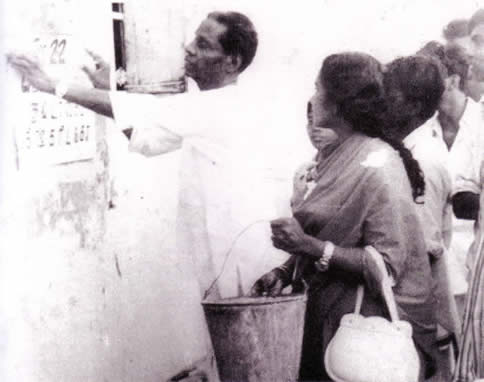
(373, 349)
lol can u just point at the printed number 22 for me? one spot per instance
(58, 47)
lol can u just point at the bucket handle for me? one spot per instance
(227, 254)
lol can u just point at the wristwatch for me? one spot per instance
(323, 263)
(61, 89)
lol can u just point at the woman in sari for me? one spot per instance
(360, 193)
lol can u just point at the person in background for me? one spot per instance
(454, 109)
(469, 146)
(457, 117)
(225, 182)
(361, 193)
(470, 363)
(475, 82)
(468, 201)
(415, 85)
(302, 176)
(457, 32)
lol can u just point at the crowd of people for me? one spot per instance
(399, 167)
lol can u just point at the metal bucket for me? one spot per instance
(257, 339)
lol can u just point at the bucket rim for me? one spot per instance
(254, 301)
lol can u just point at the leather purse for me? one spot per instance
(373, 349)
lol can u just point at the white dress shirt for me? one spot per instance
(466, 158)
(227, 179)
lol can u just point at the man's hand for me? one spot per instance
(100, 76)
(32, 71)
(288, 235)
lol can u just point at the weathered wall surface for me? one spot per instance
(91, 288)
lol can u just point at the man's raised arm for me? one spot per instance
(96, 100)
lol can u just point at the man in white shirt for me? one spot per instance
(224, 176)
(468, 151)
(458, 115)
(226, 189)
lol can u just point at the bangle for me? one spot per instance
(322, 264)
(61, 89)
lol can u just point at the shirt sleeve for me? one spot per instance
(159, 124)
(434, 213)
(464, 160)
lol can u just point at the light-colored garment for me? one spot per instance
(465, 160)
(470, 364)
(436, 216)
(226, 179)
(436, 209)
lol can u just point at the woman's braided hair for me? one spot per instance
(354, 82)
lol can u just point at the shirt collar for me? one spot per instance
(431, 128)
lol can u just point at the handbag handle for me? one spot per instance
(386, 286)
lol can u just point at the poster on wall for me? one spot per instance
(54, 131)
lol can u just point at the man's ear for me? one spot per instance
(233, 63)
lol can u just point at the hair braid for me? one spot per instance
(412, 167)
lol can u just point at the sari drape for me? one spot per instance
(363, 197)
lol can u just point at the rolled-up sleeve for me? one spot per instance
(465, 158)
(435, 211)
(158, 124)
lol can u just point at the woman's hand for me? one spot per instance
(271, 284)
(288, 235)
(31, 70)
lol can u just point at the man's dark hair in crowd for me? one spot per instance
(457, 28)
(452, 57)
(240, 38)
(414, 83)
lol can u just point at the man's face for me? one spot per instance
(204, 56)
(465, 43)
(474, 86)
(449, 103)
(477, 41)
(475, 81)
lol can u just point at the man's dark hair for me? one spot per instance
(476, 19)
(456, 29)
(240, 37)
(433, 49)
(452, 57)
(456, 61)
(420, 79)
